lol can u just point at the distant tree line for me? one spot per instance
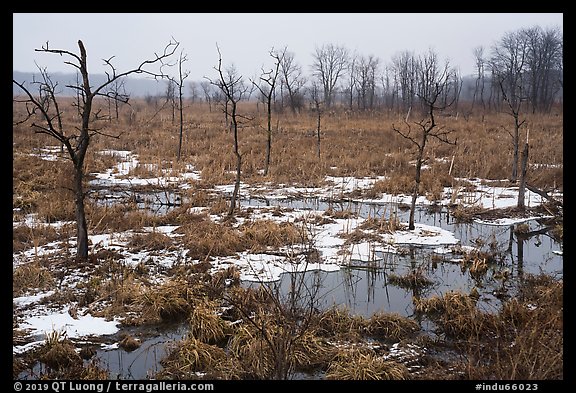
(526, 63)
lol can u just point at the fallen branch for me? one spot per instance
(543, 194)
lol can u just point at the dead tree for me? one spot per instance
(480, 79)
(78, 139)
(514, 105)
(116, 95)
(170, 96)
(523, 169)
(232, 87)
(293, 80)
(509, 65)
(319, 108)
(269, 78)
(330, 64)
(206, 89)
(427, 128)
(180, 84)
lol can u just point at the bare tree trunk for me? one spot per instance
(180, 84)
(516, 148)
(181, 128)
(233, 89)
(81, 226)
(234, 126)
(232, 206)
(268, 149)
(318, 135)
(417, 182)
(81, 141)
(269, 78)
(522, 185)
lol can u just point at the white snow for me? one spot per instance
(74, 328)
(63, 323)
(329, 239)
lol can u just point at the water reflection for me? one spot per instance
(365, 288)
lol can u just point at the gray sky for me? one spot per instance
(245, 39)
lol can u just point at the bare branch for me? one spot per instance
(59, 52)
(406, 135)
(38, 105)
(98, 132)
(169, 50)
(442, 136)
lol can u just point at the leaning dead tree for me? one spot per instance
(434, 82)
(232, 87)
(77, 139)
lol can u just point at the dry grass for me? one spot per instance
(31, 276)
(522, 341)
(352, 145)
(42, 186)
(358, 365)
(250, 346)
(348, 143)
(116, 218)
(58, 352)
(27, 237)
(382, 224)
(190, 356)
(206, 238)
(171, 301)
(205, 324)
(312, 352)
(151, 241)
(338, 322)
(531, 341)
(260, 235)
(390, 326)
(248, 301)
(413, 280)
(454, 312)
(466, 214)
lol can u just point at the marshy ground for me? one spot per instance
(165, 253)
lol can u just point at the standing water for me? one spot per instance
(365, 287)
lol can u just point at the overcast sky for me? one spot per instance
(245, 39)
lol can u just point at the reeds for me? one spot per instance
(230, 346)
(357, 365)
(523, 340)
(413, 280)
(390, 326)
(31, 276)
(172, 301)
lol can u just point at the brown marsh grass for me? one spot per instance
(190, 357)
(390, 326)
(31, 276)
(358, 365)
(62, 361)
(353, 145)
(412, 280)
(170, 301)
(359, 145)
(522, 340)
